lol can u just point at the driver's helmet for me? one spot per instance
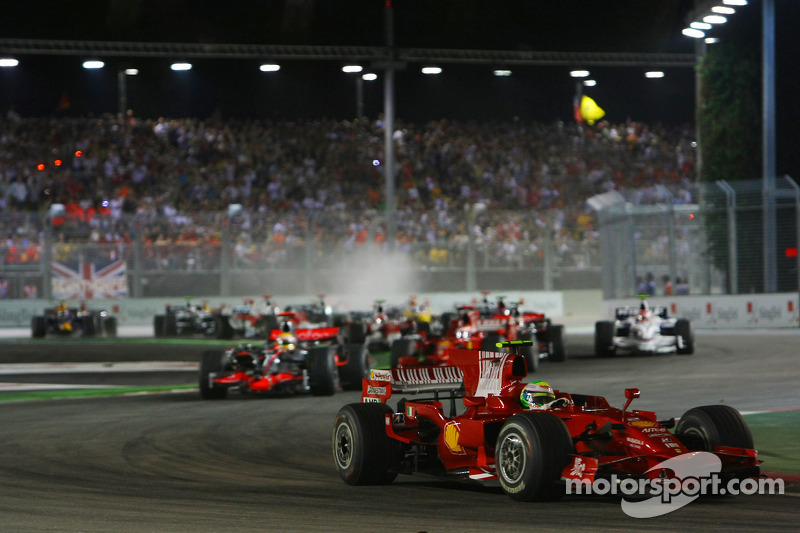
(644, 312)
(287, 339)
(536, 395)
(62, 306)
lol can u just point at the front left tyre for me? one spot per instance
(532, 451)
(703, 428)
(213, 361)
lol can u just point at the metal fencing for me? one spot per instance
(717, 246)
(625, 246)
(241, 253)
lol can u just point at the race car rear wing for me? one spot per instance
(632, 310)
(479, 374)
(309, 334)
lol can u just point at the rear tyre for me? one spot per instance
(158, 326)
(323, 377)
(531, 353)
(558, 345)
(90, 325)
(604, 338)
(356, 368)
(223, 328)
(265, 325)
(213, 361)
(489, 342)
(38, 327)
(532, 450)
(356, 333)
(683, 329)
(362, 452)
(170, 325)
(401, 348)
(703, 428)
(111, 327)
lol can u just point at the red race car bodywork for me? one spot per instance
(531, 453)
(468, 329)
(288, 362)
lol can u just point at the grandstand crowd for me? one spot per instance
(508, 184)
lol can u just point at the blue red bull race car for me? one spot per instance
(466, 420)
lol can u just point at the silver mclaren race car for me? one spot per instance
(643, 329)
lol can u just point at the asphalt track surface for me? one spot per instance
(173, 462)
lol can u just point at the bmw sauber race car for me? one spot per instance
(477, 420)
(189, 319)
(66, 321)
(291, 361)
(643, 329)
(252, 319)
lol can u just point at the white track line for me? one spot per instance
(96, 368)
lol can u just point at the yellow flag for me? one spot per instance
(590, 111)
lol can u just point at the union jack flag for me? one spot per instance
(81, 281)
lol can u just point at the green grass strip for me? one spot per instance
(82, 393)
(133, 340)
(776, 436)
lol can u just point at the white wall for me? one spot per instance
(570, 307)
(139, 312)
(723, 311)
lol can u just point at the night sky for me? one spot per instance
(309, 89)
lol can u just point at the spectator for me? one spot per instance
(31, 291)
(681, 286)
(667, 285)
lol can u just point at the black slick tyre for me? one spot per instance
(222, 327)
(213, 361)
(356, 367)
(604, 338)
(323, 376)
(362, 452)
(158, 326)
(401, 348)
(530, 353)
(532, 450)
(38, 327)
(703, 428)
(111, 327)
(558, 344)
(683, 329)
(90, 325)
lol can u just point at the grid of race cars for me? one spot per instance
(456, 380)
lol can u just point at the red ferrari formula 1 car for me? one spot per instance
(469, 328)
(525, 324)
(533, 454)
(290, 361)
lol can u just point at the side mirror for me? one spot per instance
(632, 393)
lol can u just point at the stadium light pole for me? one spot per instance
(388, 128)
(768, 158)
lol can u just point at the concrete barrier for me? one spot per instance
(572, 308)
